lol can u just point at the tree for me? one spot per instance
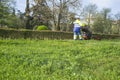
(98, 26)
(27, 14)
(53, 13)
(117, 18)
(89, 12)
(20, 20)
(105, 12)
(7, 13)
(107, 20)
(4, 12)
(60, 10)
(41, 13)
(103, 22)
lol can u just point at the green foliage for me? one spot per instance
(103, 22)
(115, 29)
(7, 18)
(42, 27)
(102, 25)
(62, 60)
(4, 12)
(98, 26)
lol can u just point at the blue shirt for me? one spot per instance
(77, 25)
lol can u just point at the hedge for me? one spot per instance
(16, 34)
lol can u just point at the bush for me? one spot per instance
(42, 27)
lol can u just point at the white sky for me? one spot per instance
(21, 5)
(113, 4)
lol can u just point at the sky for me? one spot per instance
(114, 5)
(20, 5)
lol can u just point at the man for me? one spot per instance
(77, 29)
(87, 34)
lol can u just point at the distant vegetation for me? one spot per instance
(59, 59)
(58, 16)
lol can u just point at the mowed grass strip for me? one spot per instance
(24, 59)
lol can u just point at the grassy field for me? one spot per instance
(59, 60)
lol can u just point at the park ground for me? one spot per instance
(25, 59)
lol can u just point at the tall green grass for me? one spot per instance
(59, 59)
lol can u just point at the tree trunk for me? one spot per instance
(27, 15)
(58, 24)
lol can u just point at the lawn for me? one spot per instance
(25, 59)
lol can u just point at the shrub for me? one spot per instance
(42, 27)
